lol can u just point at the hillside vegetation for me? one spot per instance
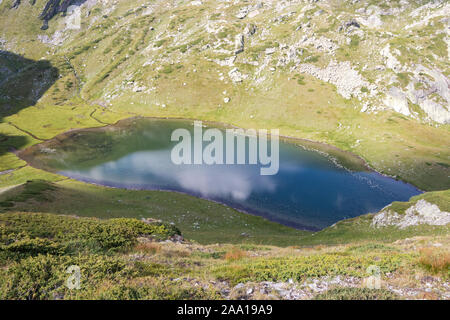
(131, 259)
(323, 71)
(368, 77)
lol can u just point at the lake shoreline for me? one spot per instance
(264, 215)
(361, 163)
(28, 155)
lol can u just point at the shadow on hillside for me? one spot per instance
(22, 83)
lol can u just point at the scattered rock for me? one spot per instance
(372, 22)
(422, 212)
(270, 51)
(236, 76)
(346, 79)
(250, 30)
(243, 12)
(391, 60)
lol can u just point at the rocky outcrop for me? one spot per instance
(390, 60)
(15, 4)
(422, 212)
(52, 8)
(396, 100)
(372, 21)
(435, 111)
(239, 44)
(346, 79)
(433, 97)
(321, 44)
(236, 76)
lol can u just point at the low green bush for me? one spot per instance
(78, 234)
(357, 294)
(156, 289)
(304, 267)
(44, 276)
(29, 247)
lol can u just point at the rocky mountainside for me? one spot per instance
(370, 77)
(384, 54)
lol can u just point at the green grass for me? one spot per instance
(301, 268)
(115, 262)
(198, 219)
(312, 110)
(202, 220)
(94, 66)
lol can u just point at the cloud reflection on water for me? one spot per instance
(146, 167)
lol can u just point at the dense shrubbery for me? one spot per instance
(155, 289)
(28, 234)
(38, 248)
(26, 247)
(357, 294)
(304, 267)
(44, 276)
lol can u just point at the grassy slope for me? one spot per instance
(119, 260)
(414, 151)
(199, 220)
(103, 61)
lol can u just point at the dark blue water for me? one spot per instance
(310, 191)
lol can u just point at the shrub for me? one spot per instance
(235, 254)
(80, 234)
(155, 289)
(29, 247)
(303, 267)
(148, 247)
(150, 269)
(301, 80)
(140, 228)
(167, 69)
(357, 294)
(354, 42)
(32, 278)
(159, 43)
(44, 276)
(435, 260)
(110, 236)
